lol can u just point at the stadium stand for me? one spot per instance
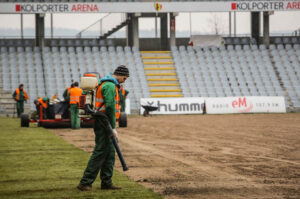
(231, 70)
(239, 71)
(50, 72)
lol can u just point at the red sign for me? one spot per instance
(233, 6)
(18, 7)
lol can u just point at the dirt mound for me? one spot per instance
(210, 156)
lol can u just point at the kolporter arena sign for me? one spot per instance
(186, 105)
(150, 7)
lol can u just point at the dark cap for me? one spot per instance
(122, 71)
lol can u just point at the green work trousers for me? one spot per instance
(102, 158)
(75, 120)
(20, 107)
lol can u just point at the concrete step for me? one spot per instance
(157, 60)
(161, 72)
(5, 95)
(160, 68)
(7, 115)
(162, 81)
(163, 87)
(146, 63)
(7, 105)
(166, 93)
(167, 76)
(156, 54)
(6, 100)
(164, 90)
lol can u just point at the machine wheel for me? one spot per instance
(123, 120)
(25, 120)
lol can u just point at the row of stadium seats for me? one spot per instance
(248, 40)
(62, 65)
(81, 42)
(75, 1)
(58, 42)
(110, 42)
(211, 72)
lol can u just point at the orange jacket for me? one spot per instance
(18, 94)
(123, 91)
(75, 93)
(44, 104)
(100, 101)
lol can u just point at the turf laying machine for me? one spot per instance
(57, 114)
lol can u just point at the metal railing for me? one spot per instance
(106, 23)
(296, 32)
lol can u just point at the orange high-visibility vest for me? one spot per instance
(68, 90)
(18, 94)
(75, 93)
(100, 101)
(44, 104)
(123, 91)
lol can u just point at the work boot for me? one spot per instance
(84, 187)
(112, 187)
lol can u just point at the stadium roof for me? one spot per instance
(143, 6)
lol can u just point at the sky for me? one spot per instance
(201, 23)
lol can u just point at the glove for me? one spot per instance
(116, 134)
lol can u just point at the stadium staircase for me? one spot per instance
(7, 104)
(161, 74)
(115, 29)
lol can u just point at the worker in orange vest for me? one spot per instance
(44, 101)
(103, 156)
(123, 94)
(20, 95)
(74, 96)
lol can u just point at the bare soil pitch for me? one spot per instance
(210, 156)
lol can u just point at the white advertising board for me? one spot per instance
(187, 105)
(224, 105)
(150, 7)
(127, 108)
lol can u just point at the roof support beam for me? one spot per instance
(39, 29)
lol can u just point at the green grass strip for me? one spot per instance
(34, 163)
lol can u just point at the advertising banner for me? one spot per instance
(187, 105)
(127, 108)
(150, 7)
(224, 105)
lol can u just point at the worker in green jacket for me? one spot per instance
(66, 93)
(123, 94)
(20, 95)
(103, 156)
